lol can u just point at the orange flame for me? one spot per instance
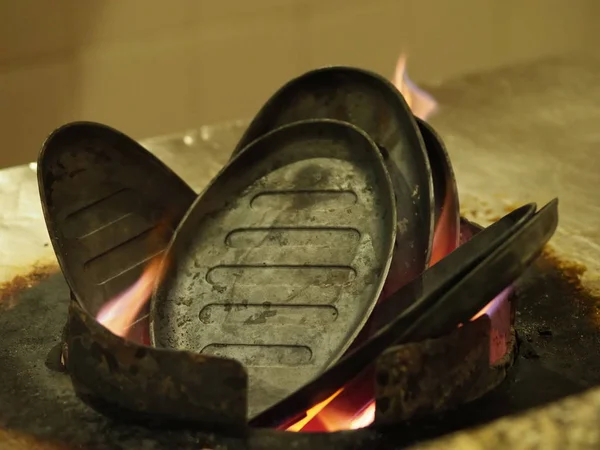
(445, 236)
(121, 312)
(420, 102)
(312, 413)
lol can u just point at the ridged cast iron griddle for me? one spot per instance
(373, 104)
(279, 263)
(109, 205)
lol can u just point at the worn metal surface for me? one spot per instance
(110, 207)
(514, 135)
(129, 381)
(282, 259)
(418, 379)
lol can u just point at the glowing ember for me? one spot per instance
(364, 418)
(344, 421)
(121, 312)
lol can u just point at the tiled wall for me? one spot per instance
(151, 66)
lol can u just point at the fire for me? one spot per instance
(420, 102)
(342, 421)
(364, 418)
(312, 413)
(443, 242)
(121, 312)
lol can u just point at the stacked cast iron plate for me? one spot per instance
(110, 206)
(280, 261)
(334, 195)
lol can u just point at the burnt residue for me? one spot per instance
(435, 375)
(558, 318)
(10, 290)
(570, 270)
(19, 441)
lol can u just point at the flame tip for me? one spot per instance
(120, 313)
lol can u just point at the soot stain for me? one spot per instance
(10, 290)
(260, 318)
(559, 318)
